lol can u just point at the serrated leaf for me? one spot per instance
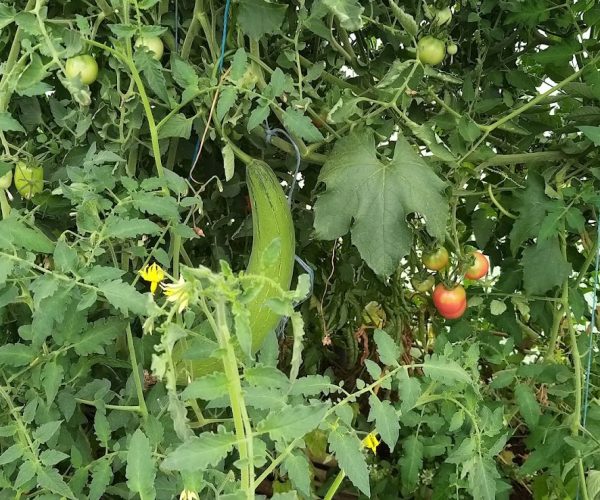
(373, 199)
(406, 20)
(200, 452)
(99, 334)
(52, 457)
(9, 124)
(141, 466)
(208, 387)
(445, 370)
(183, 73)
(298, 471)
(411, 462)
(45, 431)
(301, 126)
(347, 449)
(21, 236)
(386, 420)
(259, 17)
(11, 454)
(239, 65)
(117, 227)
(101, 478)
(497, 307)
(348, 12)
(16, 355)
(482, 478)
(544, 267)
(293, 422)
(51, 480)
(226, 101)
(176, 126)
(258, 116)
(311, 385)
(125, 298)
(388, 350)
(528, 405)
(228, 161)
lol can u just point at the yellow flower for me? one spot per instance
(179, 293)
(153, 274)
(188, 495)
(371, 442)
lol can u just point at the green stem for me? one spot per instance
(4, 204)
(335, 486)
(144, 98)
(135, 408)
(238, 407)
(136, 374)
(557, 318)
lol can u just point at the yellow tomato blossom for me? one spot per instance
(188, 495)
(178, 293)
(371, 442)
(152, 274)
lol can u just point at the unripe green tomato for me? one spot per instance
(6, 180)
(431, 50)
(84, 66)
(153, 44)
(28, 180)
(452, 49)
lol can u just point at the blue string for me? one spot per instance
(224, 35)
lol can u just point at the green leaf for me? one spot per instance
(19, 235)
(45, 431)
(468, 129)
(268, 376)
(347, 449)
(497, 307)
(176, 126)
(411, 462)
(406, 20)
(153, 73)
(593, 484)
(301, 125)
(445, 370)
(117, 227)
(209, 387)
(52, 376)
(125, 298)
(7, 15)
(537, 260)
(50, 479)
(388, 350)
(9, 124)
(533, 206)
(260, 17)
(101, 478)
(164, 207)
(227, 99)
(482, 477)
(386, 420)
(409, 389)
(239, 65)
(102, 428)
(293, 422)
(348, 12)
(52, 457)
(183, 73)
(16, 355)
(228, 161)
(97, 335)
(200, 452)
(26, 473)
(65, 257)
(11, 454)
(311, 385)
(528, 405)
(258, 116)
(373, 199)
(298, 471)
(141, 466)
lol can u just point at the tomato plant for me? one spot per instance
(214, 249)
(437, 259)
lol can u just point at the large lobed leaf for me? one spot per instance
(372, 199)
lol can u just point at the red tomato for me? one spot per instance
(480, 267)
(451, 303)
(436, 260)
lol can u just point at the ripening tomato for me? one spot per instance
(479, 268)
(153, 44)
(451, 303)
(28, 179)
(84, 66)
(431, 50)
(436, 260)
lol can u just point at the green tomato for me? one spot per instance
(153, 44)
(452, 49)
(431, 50)
(28, 179)
(6, 180)
(84, 66)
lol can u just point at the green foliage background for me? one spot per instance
(495, 148)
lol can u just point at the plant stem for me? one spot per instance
(335, 485)
(4, 204)
(241, 421)
(136, 374)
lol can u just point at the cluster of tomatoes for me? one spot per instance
(28, 178)
(451, 300)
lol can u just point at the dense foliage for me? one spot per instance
(125, 134)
